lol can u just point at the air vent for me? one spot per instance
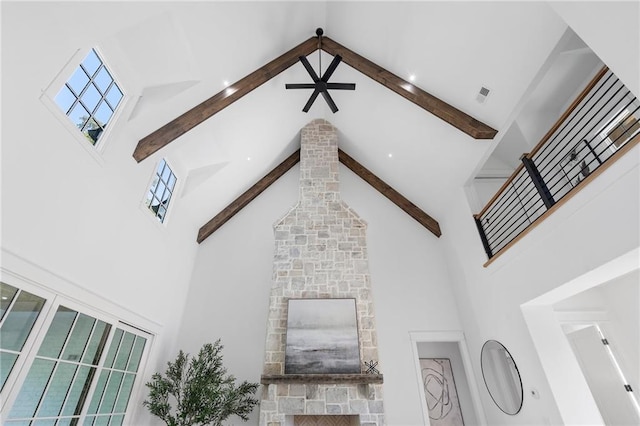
(483, 94)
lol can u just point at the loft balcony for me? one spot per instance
(599, 126)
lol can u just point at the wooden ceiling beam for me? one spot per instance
(437, 107)
(394, 196)
(196, 115)
(248, 196)
(187, 121)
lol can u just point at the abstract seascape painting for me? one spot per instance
(440, 392)
(322, 337)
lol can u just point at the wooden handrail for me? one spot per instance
(546, 137)
(499, 192)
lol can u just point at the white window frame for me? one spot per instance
(39, 330)
(51, 91)
(174, 194)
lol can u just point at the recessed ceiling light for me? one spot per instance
(248, 158)
(390, 155)
(226, 83)
(412, 78)
(5, 297)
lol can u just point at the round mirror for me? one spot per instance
(501, 377)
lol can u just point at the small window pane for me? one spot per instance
(124, 351)
(161, 212)
(79, 338)
(92, 131)
(7, 293)
(7, 360)
(166, 197)
(79, 115)
(91, 97)
(108, 363)
(57, 391)
(125, 392)
(78, 81)
(160, 189)
(80, 385)
(67, 421)
(91, 62)
(103, 80)
(97, 394)
(165, 174)
(97, 343)
(111, 392)
(57, 333)
(20, 320)
(172, 181)
(32, 389)
(116, 420)
(103, 114)
(65, 99)
(114, 96)
(101, 421)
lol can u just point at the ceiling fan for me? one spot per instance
(321, 84)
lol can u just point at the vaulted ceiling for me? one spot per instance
(171, 57)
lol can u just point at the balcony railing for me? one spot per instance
(591, 133)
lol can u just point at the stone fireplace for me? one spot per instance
(320, 253)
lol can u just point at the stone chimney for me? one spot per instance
(320, 253)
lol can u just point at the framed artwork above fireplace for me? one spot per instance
(322, 337)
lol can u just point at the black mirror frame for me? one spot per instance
(519, 378)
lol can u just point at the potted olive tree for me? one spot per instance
(198, 391)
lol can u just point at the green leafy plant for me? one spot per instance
(201, 389)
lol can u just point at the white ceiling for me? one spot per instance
(171, 56)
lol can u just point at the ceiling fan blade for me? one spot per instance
(312, 98)
(332, 67)
(341, 86)
(332, 105)
(300, 86)
(309, 68)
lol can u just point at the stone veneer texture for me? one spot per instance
(320, 252)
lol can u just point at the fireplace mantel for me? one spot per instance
(352, 379)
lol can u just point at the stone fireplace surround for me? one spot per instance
(320, 252)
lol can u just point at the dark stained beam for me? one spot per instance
(396, 198)
(393, 195)
(240, 202)
(438, 107)
(187, 121)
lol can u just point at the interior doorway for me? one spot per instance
(606, 381)
(445, 378)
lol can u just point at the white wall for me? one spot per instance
(229, 294)
(73, 215)
(619, 44)
(559, 249)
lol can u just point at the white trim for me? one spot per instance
(42, 280)
(455, 336)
